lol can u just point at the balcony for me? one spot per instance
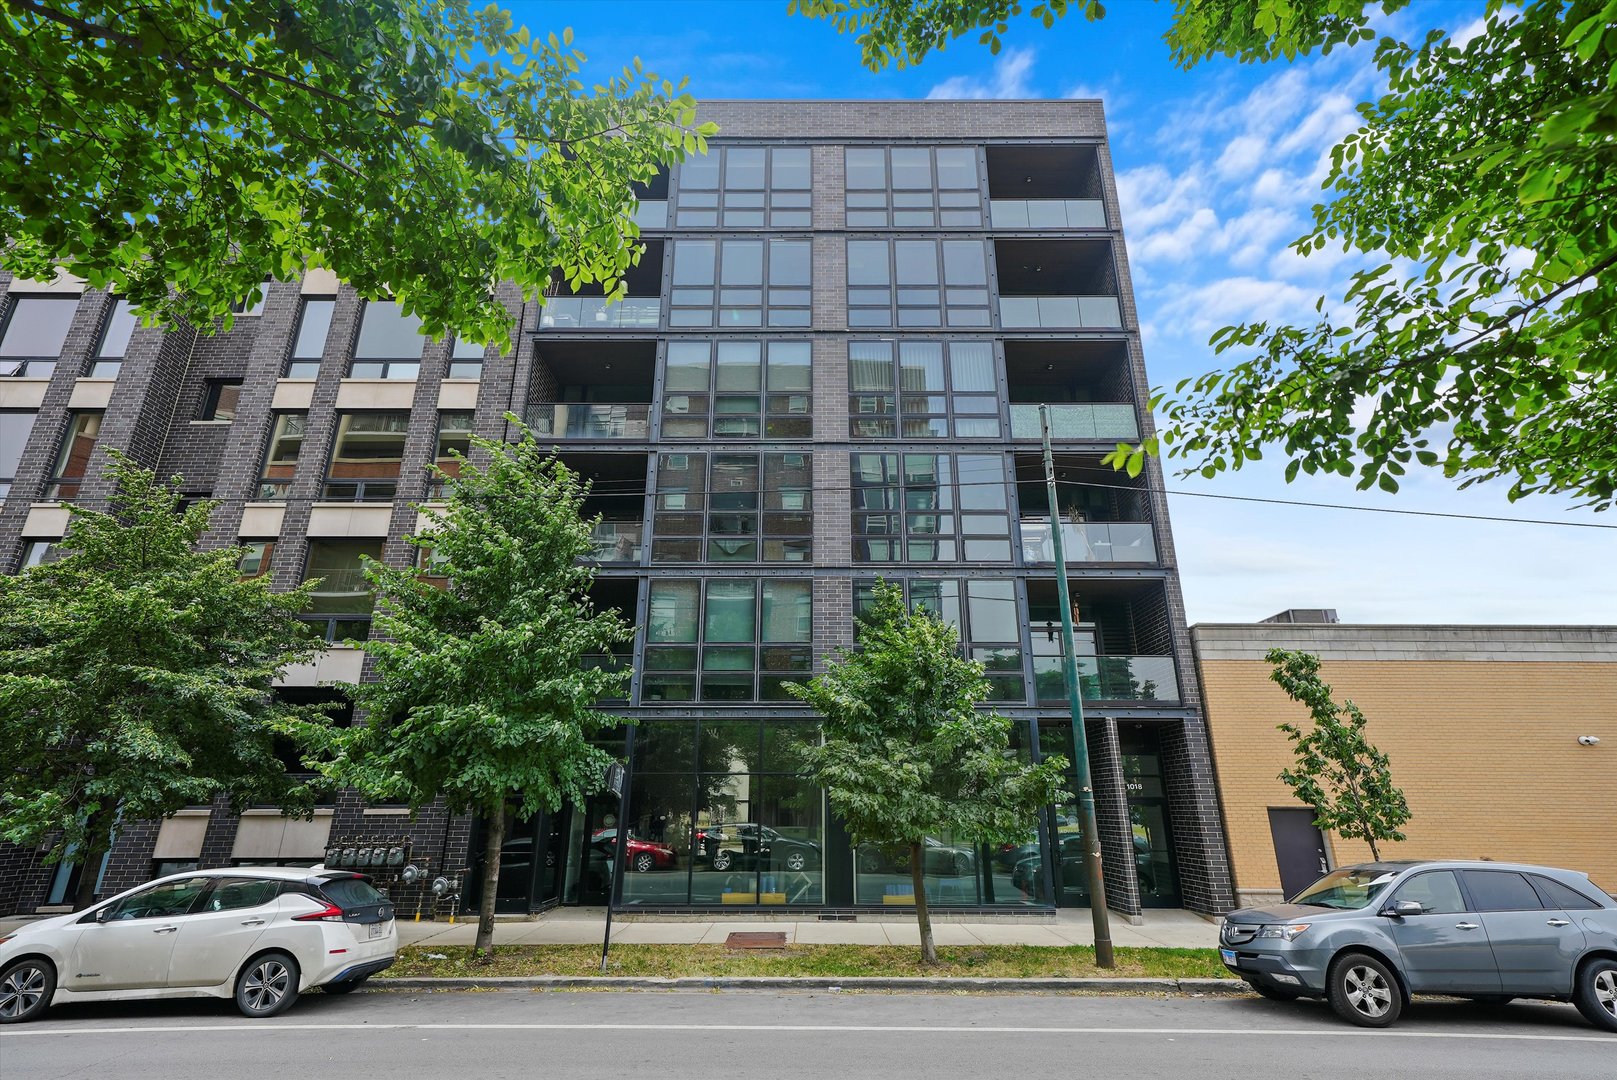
(1065, 312)
(1104, 421)
(1047, 213)
(1090, 542)
(590, 420)
(1066, 283)
(597, 313)
(1109, 678)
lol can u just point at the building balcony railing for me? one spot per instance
(1109, 421)
(384, 489)
(1034, 312)
(618, 541)
(339, 629)
(597, 313)
(590, 420)
(1047, 213)
(1089, 542)
(1109, 678)
(651, 214)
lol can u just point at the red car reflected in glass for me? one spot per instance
(644, 855)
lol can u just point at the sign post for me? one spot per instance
(620, 843)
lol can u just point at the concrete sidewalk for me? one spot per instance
(578, 926)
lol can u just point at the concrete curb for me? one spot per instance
(814, 982)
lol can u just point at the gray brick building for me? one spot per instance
(827, 372)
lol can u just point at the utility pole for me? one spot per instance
(1093, 870)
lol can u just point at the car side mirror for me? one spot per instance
(103, 914)
(1403, 908)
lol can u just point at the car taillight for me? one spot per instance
(331, 913)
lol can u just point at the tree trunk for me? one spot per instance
(494, 829)
(1371, 840)
(923, 919)
(97, 842)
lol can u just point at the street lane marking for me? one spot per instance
(924, 1029)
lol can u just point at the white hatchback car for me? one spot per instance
(259, 934)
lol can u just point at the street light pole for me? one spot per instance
(1093, 870)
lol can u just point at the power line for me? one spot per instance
(640, 493)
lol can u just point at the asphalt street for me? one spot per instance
(489, 1035)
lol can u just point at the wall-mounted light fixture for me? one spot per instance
(1588, 740)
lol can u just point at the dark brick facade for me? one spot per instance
(155, 406)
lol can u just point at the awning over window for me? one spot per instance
(181, 836)
(265, 834)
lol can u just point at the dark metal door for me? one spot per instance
(1299, 849)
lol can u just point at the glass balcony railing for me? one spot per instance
(596, 313)
(652, 214)
(617, 541)
(591, 420)
(1089, 542)
(1047, 213)
(1109, 678)
(1109, 421)
(1033, 312)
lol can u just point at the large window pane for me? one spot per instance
(343, 588)
(789, 263)
(912, 168)
(971, 367)
(866, 168)
(744, 168)
(964, 263)
(83, 432)
(120, 325)
(657, 862)
(791, 841)
(739, 366)
(672, 612)
(38, 326)
(15, 427)
(917, 262)
(730, 614)
(688, 365)
(789, 366)
(693, 263)
(991, 606)
(743, 263)
(314, 323)
(386, 332)
(725, 869)
(788, 611)
(957, 167)
(790, 169)
(867, 262)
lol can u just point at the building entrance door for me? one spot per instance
(1299, 848)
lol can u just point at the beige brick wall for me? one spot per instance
(1486, 753)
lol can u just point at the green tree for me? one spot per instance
(178, 151)
(1338, 771)
(1481, 336)
(485, 688)
(136, 677)
(905, 751)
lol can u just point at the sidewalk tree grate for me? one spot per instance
(765, 940)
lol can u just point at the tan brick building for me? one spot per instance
(1482, 725)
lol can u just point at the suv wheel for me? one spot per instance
(722, 860)
(1364, 991)
(1596, 993)
(25, 991)
(267, 986)
(796, 861)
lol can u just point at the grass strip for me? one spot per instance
(835, 961)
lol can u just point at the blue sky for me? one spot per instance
(1217, 168)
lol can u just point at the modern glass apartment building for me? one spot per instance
(827, 372)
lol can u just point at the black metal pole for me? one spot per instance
(619, 862)
(1093, 868)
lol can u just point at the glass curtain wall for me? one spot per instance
(719, 816)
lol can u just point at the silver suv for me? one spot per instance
(1367, 937)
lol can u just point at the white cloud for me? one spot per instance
(1011, 78)
(1242, 156)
